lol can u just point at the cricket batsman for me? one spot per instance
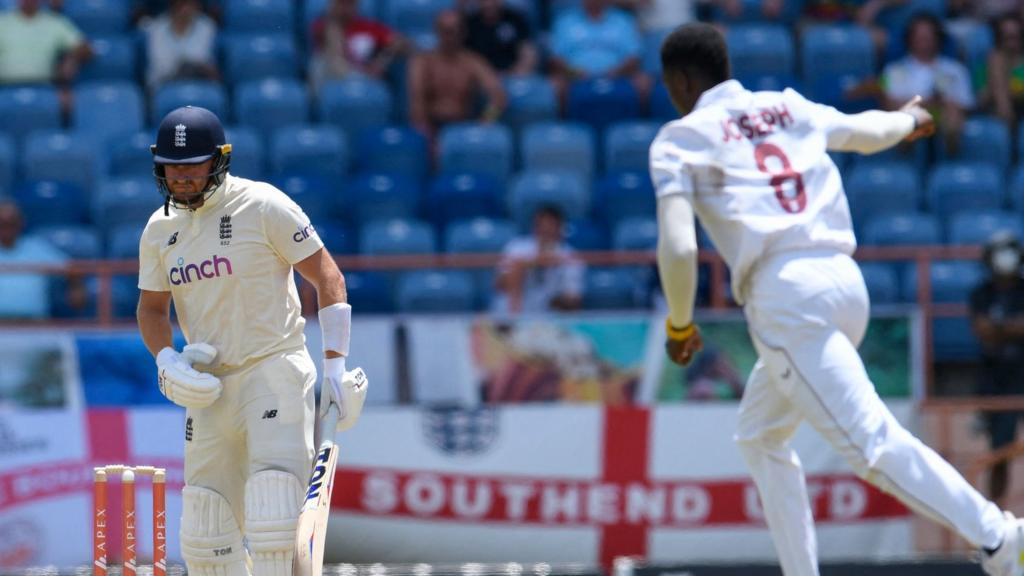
(223, 249)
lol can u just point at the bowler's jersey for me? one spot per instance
(755, 167)
(228, 267)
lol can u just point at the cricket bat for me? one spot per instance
(312, 529)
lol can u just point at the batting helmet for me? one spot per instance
(190, 135)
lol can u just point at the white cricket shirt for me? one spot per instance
(755, 167)
(228, 267)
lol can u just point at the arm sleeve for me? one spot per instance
(957, 87)
(677, 256)
(670, 161)
(70, 36)
(152, 276)
(288, 228)
(630, 36)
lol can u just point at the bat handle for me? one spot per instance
(327, 425)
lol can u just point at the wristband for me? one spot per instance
(336, 325)
(679, 333)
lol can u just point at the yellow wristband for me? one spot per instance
(679, 333)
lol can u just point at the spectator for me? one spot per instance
(181, 44)
(984, 10)
(501, 35)
(997, 317)
(541, 272)
(444, 83)
(344, 43)
(663, 14)
(38, 46)
(770, 9)
(1003, 88)
(944, 83)
(596, 41)
(23, 295)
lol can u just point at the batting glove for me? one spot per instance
(682, 344)
(181, 383)
(346, 389)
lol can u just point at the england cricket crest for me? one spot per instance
(461, 431)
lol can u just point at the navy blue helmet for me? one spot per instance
(190, 135)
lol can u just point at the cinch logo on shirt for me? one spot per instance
(303, 233)
(186, 273)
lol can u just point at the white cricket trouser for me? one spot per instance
(807, 312)
(262, 421)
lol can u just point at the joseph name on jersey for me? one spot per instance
(228, 266)
(756, 169)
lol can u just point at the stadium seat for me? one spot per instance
(566, 146)
(460, 196)
(396, 236)
(8, 163)
(130, 155)
(1016, 188)
(902, 229)
(28, 108)
(478, 235)
(627, 144)
(258, 15)
(531, 189)
(955, 186)
(48, 203)
(397, 149)
(105, 110)
(372, 195)
(77, 241)
(881, 187)
(984, 139)
(369, 292)
(249, 57)
(412, 17)
(760, 50)
(124, 201)
(99, 17)
(62, 156)
(310, 148)
(974, 42)
(636, 234)
(601, 101)
(338, 237)
(480, 148)
(113, 58)
(314, 193)
(247, 152)
(833, 58)
(355, 104)
(586, 235)
(123, 240)
(951, 282)
(609, 289)
(751, 11)
(977, 227)
(433, 291)
(651, 58)
(268, 105)
(882, 282)
(531, 99)
(205, 94)
(662, 109)
(621, 195)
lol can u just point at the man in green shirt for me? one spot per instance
(39, 46)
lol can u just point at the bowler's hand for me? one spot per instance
(682, 344)
(924, 124)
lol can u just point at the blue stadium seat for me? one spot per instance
(902, 229)
(610, 289)
(250, 57)
(337, 236)
(258, 15)
(882, 282)
(558, 146)
(460, 196)
(397, 149)
(951, 282)
(77, 241)
(62, 156)
(955, 186)
(481, 148)
(124, 201)
(355, 104)
(270, 104)
(478, 235)
(412, 17)
(47, 203)
(314, 193)
(113, 58)
(247, 152)
(28, 108)
(369, 292)
(832, 59)
(894, 20)
(436, 291)
(662, 109)
(882, 187)
(627, 144)
(310, 148)
(977, 227)
(8, 163)
(651, 58)
(123, 240)
(984, 139)
(621, 195)
(372, 195)
(586, 235)
(533, 188)
(636, 234)
(602, 101)
(530, 99)
(130, 155)
(760, 50)
(205, 94)
(105, 110)
(751, 11)
(396, 236)
(974, 42)
(98, 17)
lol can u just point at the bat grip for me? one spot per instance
(327, 425)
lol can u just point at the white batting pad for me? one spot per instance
(272, 500)
(211, 541)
